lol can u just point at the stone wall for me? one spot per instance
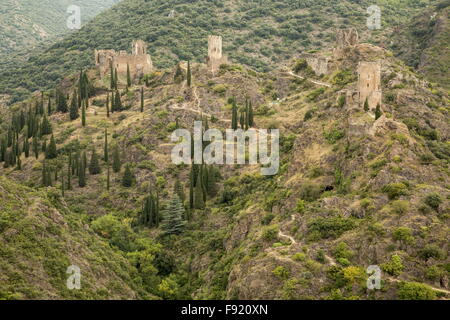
(139, 61)
(369, 83)
(317, 63)
(215, 55)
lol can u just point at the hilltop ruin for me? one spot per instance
(215, 56)
(139, 61)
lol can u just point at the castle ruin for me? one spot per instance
(139, 61)
(369, 83)
(345, 38)
(215, 55)
(317, 63)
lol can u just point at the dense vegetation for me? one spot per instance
(278, 30)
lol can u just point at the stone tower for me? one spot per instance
(139, 61)
(369, 83)
(345, 38)
(215, 56)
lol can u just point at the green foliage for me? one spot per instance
(333, 135)
(395, 190)
(400, 206)
(432, 251)
(325, 228)
(434, 200)
(403, 234)
(128, 177)
(343, 77)
(173, 222)
(310, 192)
(281, 273)
(270, 233)
(394, 267)
(415, 291)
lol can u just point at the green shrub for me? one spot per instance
(342, 250)
(334, 227)
(310, 192)
(400, 206)
(300, 207)
(270, 233)
(333, 135)
(434, 200)
(394, 267)
(434, 273)
(415, 291)
(267, 219)
(403, 234)
(343, 77)
(395, 190)
(432, 251)
(281, 272)
(299, 256)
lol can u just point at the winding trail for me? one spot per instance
(320, 83)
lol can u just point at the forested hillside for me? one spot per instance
(261, 34)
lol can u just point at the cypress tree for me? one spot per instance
(173, 217)
(191, 188)
(111, 75)
(142, 99)
(35, 147)
(234, 115)
(19, 163)
(62, 185)
(82, 173)
(242, 119)
(61, 102)
(366, 105)
(116, 160)
(51, 152)
(107, 105)
(94, 165)
(83, 115)
(211, 184)
(46, 127)
(74, 107)
(179, 190)
(128, 76)
(26, 147)
(116, 79)
(189, 75)
(251, 121)
(199, 201)
(105, 147)
(108, 177)
(117, 102)
(378, 112)
(49, 106)
(128, 177)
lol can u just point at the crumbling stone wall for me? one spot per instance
(345, 39)
(215, 55)
(369, 83)
(139, 60)
(317, 63)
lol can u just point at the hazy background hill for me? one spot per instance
(262, 34)
(25, 23)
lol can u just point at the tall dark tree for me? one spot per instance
(46, 126)
(94, 165)
(128, 177)
(179, 190)
(378, 112)
(251, 120)
(82, 175)
(83, 115)
(105, 147)
(142, 99)
(116, 160)
(61, 103)
(234, 116)
(51, 152)
(173, 217)
(107, 105)
(128, 76)
(74, 106)
(189, 74)
(199, 201)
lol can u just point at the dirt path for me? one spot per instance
(320, 83)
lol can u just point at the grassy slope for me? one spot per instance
(278, 30)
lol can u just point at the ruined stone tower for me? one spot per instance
(345, 38)
(369, 83)
(139, 61)
(215, 56)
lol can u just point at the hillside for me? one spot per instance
(261, 34)
(356, 187)
(26, 23)
(424, 43)
(41, 238)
